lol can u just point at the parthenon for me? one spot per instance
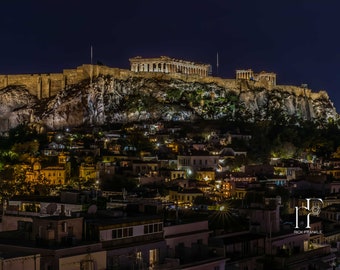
(168, 65)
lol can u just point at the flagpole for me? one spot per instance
(217, 64)
(91, 71)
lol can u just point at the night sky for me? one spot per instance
(297, 39)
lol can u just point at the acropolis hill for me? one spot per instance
(46, 85)
(154, 89)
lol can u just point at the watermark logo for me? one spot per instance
(313, 207)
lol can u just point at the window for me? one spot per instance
(153, 228)
(122, 233)
(64, 227)
(153, 256)
(139, 255)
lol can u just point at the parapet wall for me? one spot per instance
(301, 91)
(40, 85)
(49, 84)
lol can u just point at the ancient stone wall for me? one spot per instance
(40, 85)
(49, 84)
(301, 91)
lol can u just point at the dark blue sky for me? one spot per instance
(297, 39)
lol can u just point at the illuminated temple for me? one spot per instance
(166, 64)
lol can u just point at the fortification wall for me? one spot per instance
(300, 91)
(49, 84)
(40, 85)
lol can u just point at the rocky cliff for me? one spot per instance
(110, 99)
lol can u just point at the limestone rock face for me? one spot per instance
(110, 100)
(16, 106)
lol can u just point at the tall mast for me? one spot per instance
(217, 64)
(91, 71)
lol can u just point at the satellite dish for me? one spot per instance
(51, 208)
(92, 209)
